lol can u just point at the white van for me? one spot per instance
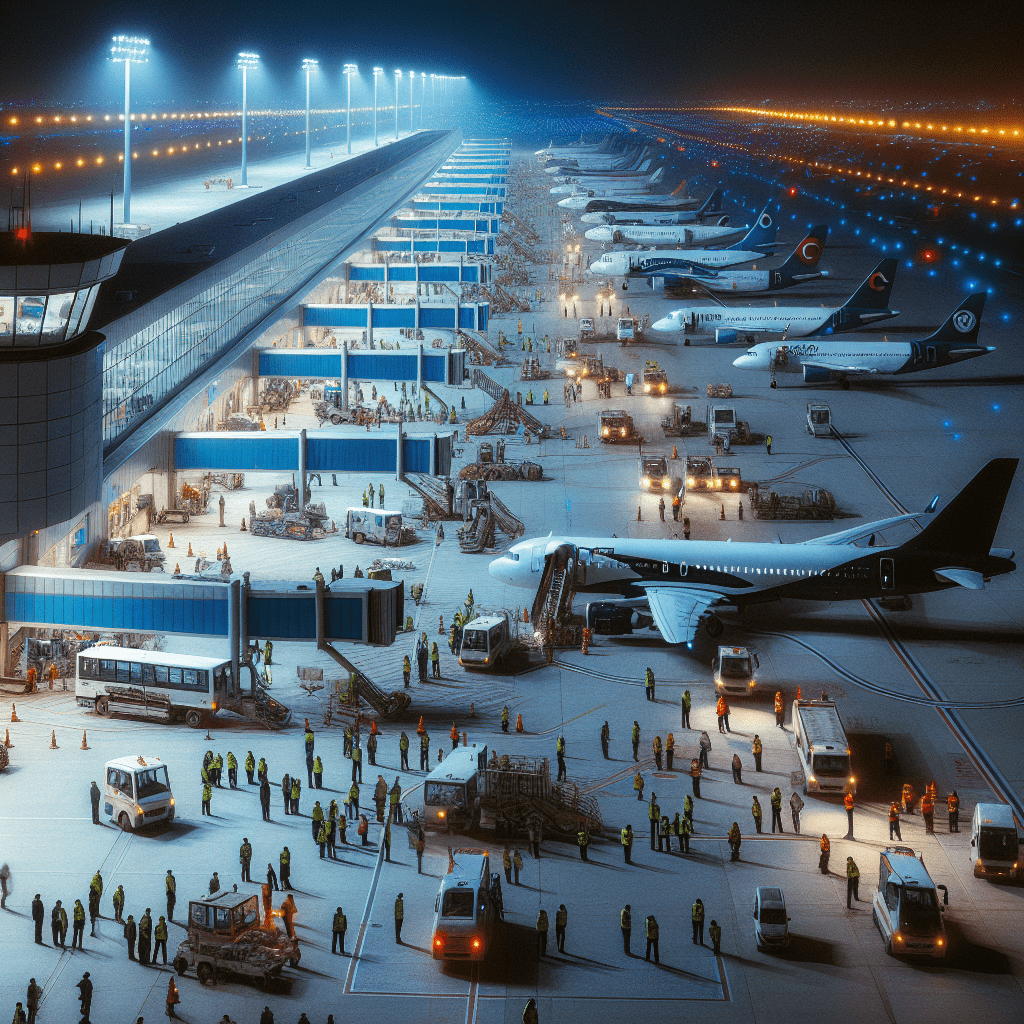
(771, 924)
(485, 641)
(906, 909)
(465, 912)
(995, 844)
(137, 792)
(735, 670)
(822, 748)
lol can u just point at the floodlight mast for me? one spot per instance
(131, 50)
(423, 94)
(412, 82)
(377, 72)
(308, 65)
(398, 78)
(349, 71)
(245, 62)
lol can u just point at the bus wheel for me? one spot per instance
(204, 972)
(102, 707)
(125, 822)
(194, 718)
(359, 538)
(181, 966)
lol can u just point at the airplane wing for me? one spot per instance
(677, 611)
(836, 366)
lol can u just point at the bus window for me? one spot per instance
(108, 670)
(443, 794)
(136, 672)
(123, 672)
(161, 674)
(248, 913)
(222, 920)
(148, 678)
(174, 677)
(199, 915)
(457, 903)
(121, 782)
(474, 640)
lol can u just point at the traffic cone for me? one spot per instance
(638, 516)
(85, 743)
(519, 723)
(675, 454)
(373, 728)
(177, 569)
(243, 529)
(208, 736)
(170, 540)
(722, 513)
(53, 740)
(190, 555)
(14, 713)
(472, 710)
(7, 740)
(465, 739)
(225, 549)
(420, 729)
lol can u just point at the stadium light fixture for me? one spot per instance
(309, 66)
(349, 70)
(129, 50)
(246, 61)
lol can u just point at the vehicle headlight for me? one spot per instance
(734, 483)
(440, 814)
(666, 482)
(897, 936)
(663, 387)
(646, 481)
(623, 431)
(689, 481)
(172, 801)
(605, 431)
(812, 779)
(647, 389)
(752, 683)
(852, 780)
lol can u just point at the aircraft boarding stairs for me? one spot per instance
(552, 605)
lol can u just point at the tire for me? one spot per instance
(360, 538)
(124, 822)
(335, 420)
(184, 518)
(102, 706)
(194, 718)
(181, 966)
(713, 626)
(204, 972)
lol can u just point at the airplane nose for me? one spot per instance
(500, 570)
(745, 362)
(666, 323)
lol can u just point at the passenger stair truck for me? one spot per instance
(822, 748)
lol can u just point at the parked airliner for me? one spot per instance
(681, 213)
(868, 305)
(684, 580)
(669, 234)
(824, 361)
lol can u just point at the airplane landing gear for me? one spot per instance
(713, 626)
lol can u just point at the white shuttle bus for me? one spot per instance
(822, 748)
(137, 792)
(485, 641)
(453, 785)
(465, 913)
(151, 684)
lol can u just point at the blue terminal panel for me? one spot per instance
(352, 454)
(323, 364)
(491, 226)
(471, 316)
(448, 189)
(470, 246)
(237, 452)
(472, 273)
(440, 206)
(355, 611)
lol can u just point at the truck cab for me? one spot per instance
(587, 327)
(615, 425)
(137, 792)
(735, 671)
(721, 421)
(906, 909)
(625, 330)
(465, 912)
(140, 554)
(654, 474)
(655, 379)
(819, 419)
(995, 844)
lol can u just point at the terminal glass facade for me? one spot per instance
(34, 320)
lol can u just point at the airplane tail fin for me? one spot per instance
(874, 293)
(804, 258)
(762, 234)
(681, 187)
(713, 204)
(967, 525)
(657, 175)
(961, 328)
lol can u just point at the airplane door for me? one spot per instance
(931, 353)
(537, 560)
(915, 352)
(887, 573)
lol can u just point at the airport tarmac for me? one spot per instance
(943, 681)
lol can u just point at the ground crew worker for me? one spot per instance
(705, 748)
(848, 803)
(363, 829)
(928, 812)
(649, 683)
(94, 799)
(244, 858)
(321, 837)
(737, 770)
(261, 769)
(852, 881)
(117, 899)
(338, 929)
(517, 864)
(19, 1014)
(504, 719)
(207, 795)
(627, 844)
(695, 773)
(715, 933)
(722, 710)
(687, 701)
(435, 661)
(657, 752)
(250, 767)
(268, 652)
(685, 831)
(424, 752)
(776, 809)
(796, 805)
(145, 936)
(78, 925)
(286, 869)
(735, 840)
(665, 835)
(542, 933)
(56, 915)
(406, 670)
(265, 798)
(347, 741)
(756, 750)
(670, 749)
(317, 818)
(32, 997)
(636, 740)
(160, 939)
(894, 821)
(626, 924)
(403, 749)
(953, 806)
(661, 508)
(560, 755)
(654, 815)
(908, 798)
(676, 504)
(421, 845)
(394, 802)
(318, 772)
(605, 738)
(697, 918)
(583, 839)
(506, 863)
(755, 810)
(130, 934)
(171, 885)
(357, 766)
(386, 839)
(779, 712)
(232, 771)
(651, 927)
(95, 892)
(826, 848)
(296, 790)
(561, 920)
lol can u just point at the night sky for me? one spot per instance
(669, 52)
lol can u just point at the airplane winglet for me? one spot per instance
(932, 505)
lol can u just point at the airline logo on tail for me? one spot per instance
(964, 321)
(809, 251)
(765, 220)
(877, 281)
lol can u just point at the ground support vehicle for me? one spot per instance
(137, 792)
(819, 419)
(616, 426)
(377, 526)
(225, 936)
(822, 748)
(309, 524)
(703, 475)
(771, 922)
(586, 328)
(180, 515)
(325, 411)
(485, 641)
(905, 908)
(655, 379)
(735, 671)
(655, 477)
(467, 909)
(680, 422)
(625, 330)
(139, 554)
(811, 503)
(995, 844)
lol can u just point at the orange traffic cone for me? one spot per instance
(420, 729)
(190, 555)
(177, 569)
(373, 728)
(85, 743)
(7, 739)
(798, 692)
(53, 740)
(519, 723)
(170, 540)
(675, 454)
(225, 549)
(14, 714)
